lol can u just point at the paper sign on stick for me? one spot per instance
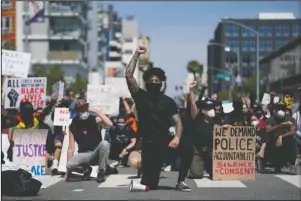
(15, 63)
(61, 116)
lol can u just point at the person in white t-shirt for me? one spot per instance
(297, 117)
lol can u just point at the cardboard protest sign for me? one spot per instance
(61, 116)
(29, 150)
(58, 90)
(15, 63)
(33, 89)
(234, 153)
(119, 83)
(104, 97)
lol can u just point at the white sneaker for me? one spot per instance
(114, 164)
(167, 169)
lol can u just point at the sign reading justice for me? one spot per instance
(234, 153)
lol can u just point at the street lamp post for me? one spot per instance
(257, 52)
(227, 49)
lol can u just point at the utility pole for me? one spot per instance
(26, 23)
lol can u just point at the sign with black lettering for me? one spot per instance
(234, 153)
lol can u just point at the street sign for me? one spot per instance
(222, 76)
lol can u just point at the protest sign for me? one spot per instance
(119, 83)
(15, 63)
(58, 90)
(266, 99)
(29, 150)
(61, 116)
(33, 89)
(104, 97)
(234, 153)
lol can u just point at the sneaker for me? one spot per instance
(101, 177)
(167, 169)
(87, 174)
(182, 186)
(54, 167)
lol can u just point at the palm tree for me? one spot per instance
(194, 67)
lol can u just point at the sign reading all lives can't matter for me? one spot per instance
(33, 89)
(234, 153)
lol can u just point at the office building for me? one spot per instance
(275, 30)
(283, 68)
(8, 24)
(56, 34)
(130, 41)
(110, 41)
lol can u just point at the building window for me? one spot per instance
(266, 31)
(282, 31)
(6, 4)
(233, 44)
(296, 30)
(247, 32)
(128, 40)
(128, 52)
(231, 31)
(280, 43)
(5, 24)
(266, 45)
(248, 46)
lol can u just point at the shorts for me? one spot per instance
(59, 138)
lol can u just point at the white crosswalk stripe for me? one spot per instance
(292, 179)
(123, 181)
(48, 180)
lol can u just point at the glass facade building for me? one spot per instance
(274, 34)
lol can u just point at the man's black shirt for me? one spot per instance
(154, 113)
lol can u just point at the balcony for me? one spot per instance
(65, 34)
(64, 55)
(63, 10)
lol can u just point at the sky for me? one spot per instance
(179, 31)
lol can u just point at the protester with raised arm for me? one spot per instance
(155, 111)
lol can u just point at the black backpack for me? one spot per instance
(19, 183)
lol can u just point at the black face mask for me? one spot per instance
(153, 87)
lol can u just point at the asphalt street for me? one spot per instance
(266, 187)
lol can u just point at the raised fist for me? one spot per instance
(141, 49)
(13, 98)
(192, 84)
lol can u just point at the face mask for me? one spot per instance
(153, 87)
(84, 116)
(211, 113)
(281, 113)
(288, 101)
(255, 123)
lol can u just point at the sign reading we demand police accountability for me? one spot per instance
(234, 153)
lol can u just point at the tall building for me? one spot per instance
(275, 30)
(8, 24)
(110, 42)
(130, 41)
(283, 68)
(56, 34)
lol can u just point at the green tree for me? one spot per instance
(79, 85)
(194, 67)
(39, 70)
(54, 75)
(9, 46)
